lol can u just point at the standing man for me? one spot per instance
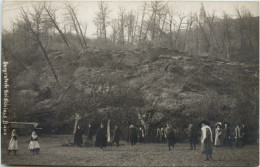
(90, 134)
(227, 136)
(149, 134)
(243, 135)
(170, 136)
(116, 135)
(162, 136)
(206, 140)
(132, 135)
(238, 135)
(192, 135)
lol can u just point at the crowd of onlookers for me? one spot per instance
(220, 136)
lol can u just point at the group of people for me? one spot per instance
(221, 137)
(135, 136)
(34, 145)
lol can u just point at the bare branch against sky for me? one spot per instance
(87, 10)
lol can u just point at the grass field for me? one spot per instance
(53, 153)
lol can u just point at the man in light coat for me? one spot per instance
(206, 140)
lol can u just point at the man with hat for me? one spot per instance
(132, 135)
(238, 135)
(227, 135)
(170, 136)
(116, 135)
(192, 135)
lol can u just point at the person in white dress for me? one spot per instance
(218, 133)
(13, 144)
(34, 145)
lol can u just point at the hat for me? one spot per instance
(204, 122)
(218, 124)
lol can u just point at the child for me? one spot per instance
(34, 146)
(13, 144)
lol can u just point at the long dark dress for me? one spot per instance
(116, 136)
(78, 137)
(227, 137)
(90, 133)
(170, 137)
(243, 136)
(101, 138)
(133, 136)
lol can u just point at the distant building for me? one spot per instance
(202, 16)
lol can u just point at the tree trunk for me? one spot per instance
(55, 24)
(142, 22)
(108, 131)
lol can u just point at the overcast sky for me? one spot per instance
(87, 9)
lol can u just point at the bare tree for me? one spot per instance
(157, 6)
(34, 26)
(226, 40)
(77, 26)
(204, 34)
(102, 15)
(244, 18)
(181, 18)
(114, 26)
(52, 18)
(142, 21)
(210, 21)
(130, 26)
(170, 23)
(121, 24)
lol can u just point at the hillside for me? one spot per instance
(163, 85)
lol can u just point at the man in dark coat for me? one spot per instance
(132, 135)
(101, 138)
(243, 135)
(78, 137)
(116, 135)
(238, 135)
(170, 135)
(149, 134)
(192, 135)
(227, 136)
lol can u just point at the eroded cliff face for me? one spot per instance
(161, 84)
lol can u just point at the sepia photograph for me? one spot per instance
(129, 83)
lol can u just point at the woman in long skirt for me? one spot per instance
(101, 137)
(34, 145)
(218, 133)
(13, 144)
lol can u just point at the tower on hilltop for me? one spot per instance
(202, 16)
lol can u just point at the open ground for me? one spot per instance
(53, 153)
